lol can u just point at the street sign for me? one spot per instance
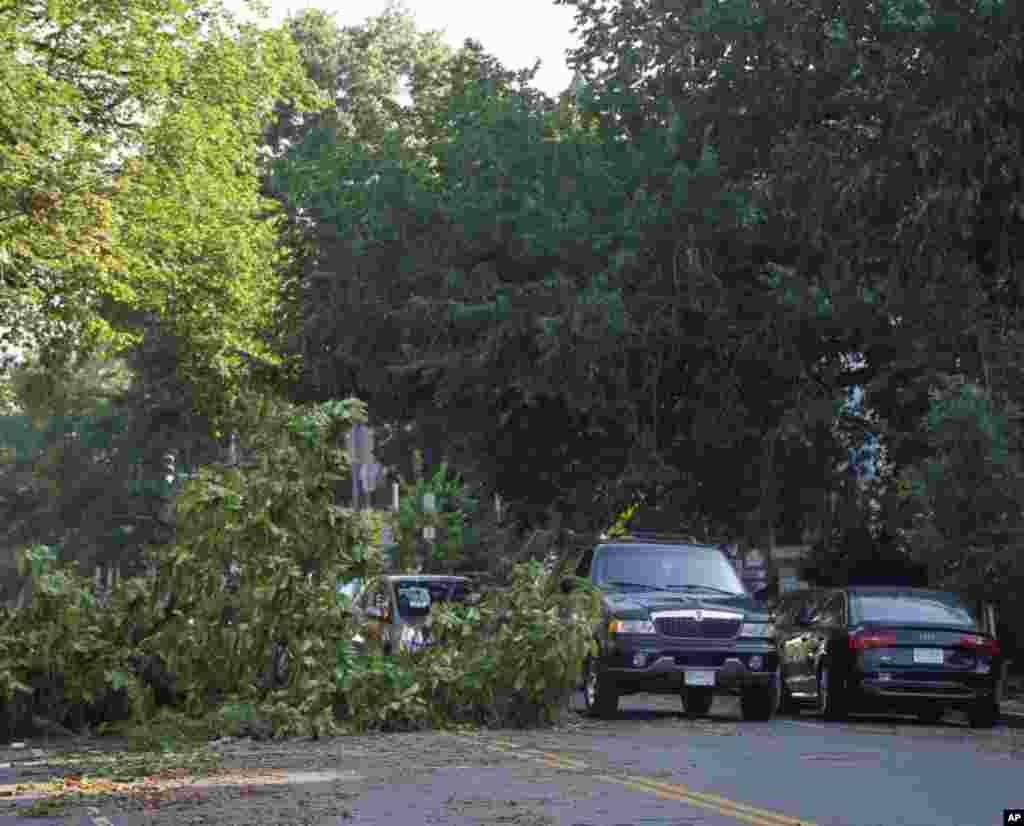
(360, 442)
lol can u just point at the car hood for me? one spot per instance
(644, 602)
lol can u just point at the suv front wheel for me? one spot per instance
(600, 694)
(697, 702)
(758, 703)
(762, 702)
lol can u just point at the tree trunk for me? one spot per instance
(767, 507)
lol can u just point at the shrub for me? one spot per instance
(63, 658)
(514, 660)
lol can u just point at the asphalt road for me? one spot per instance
(650, 767)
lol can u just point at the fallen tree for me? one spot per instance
(239, 629)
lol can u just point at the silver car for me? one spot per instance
(393, 612)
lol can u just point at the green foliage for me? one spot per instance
(966, 496)
(533, 263)
(513, 660)
(455, 535)
(239, 630)
(243, 604)
(264, 544)
(621, 524)
(62, 654)
(130, 178)
(86, 456)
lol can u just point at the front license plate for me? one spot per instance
(929, 656)
(700, 677)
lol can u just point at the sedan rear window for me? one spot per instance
(914, 609)
(415, 596)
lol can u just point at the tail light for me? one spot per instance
(865, 641)
(981, 646)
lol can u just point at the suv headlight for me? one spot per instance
(631, 627)
(761, 630)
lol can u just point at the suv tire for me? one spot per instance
(600, 694)
(758, 703)
(697, 701)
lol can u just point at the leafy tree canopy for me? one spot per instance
(129, 176)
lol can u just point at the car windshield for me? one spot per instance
(908, 608)
(416, 596)
(666, 567)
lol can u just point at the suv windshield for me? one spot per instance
(911, 608)
(662, 567)
(415, 596)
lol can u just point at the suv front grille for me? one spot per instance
(678, 627)
(708, 629)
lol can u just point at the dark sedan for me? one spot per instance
(901, 650)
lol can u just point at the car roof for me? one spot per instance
(869, 590)
(653, 545)
(879, 590)
(421, 577)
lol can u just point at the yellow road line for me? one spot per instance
(558, 758)
(687, 800)
(666, 791)
(732, 808)
(553, 761)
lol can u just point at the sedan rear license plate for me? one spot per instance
(700, 677)
(929, 656)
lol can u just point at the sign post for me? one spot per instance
(429, 506)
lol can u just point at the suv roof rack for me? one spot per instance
(655, 536)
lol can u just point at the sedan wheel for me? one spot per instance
(600, 694)
(983, 714)
(787, 705)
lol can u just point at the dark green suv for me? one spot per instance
(677, 619)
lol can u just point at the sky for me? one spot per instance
(518, 33)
